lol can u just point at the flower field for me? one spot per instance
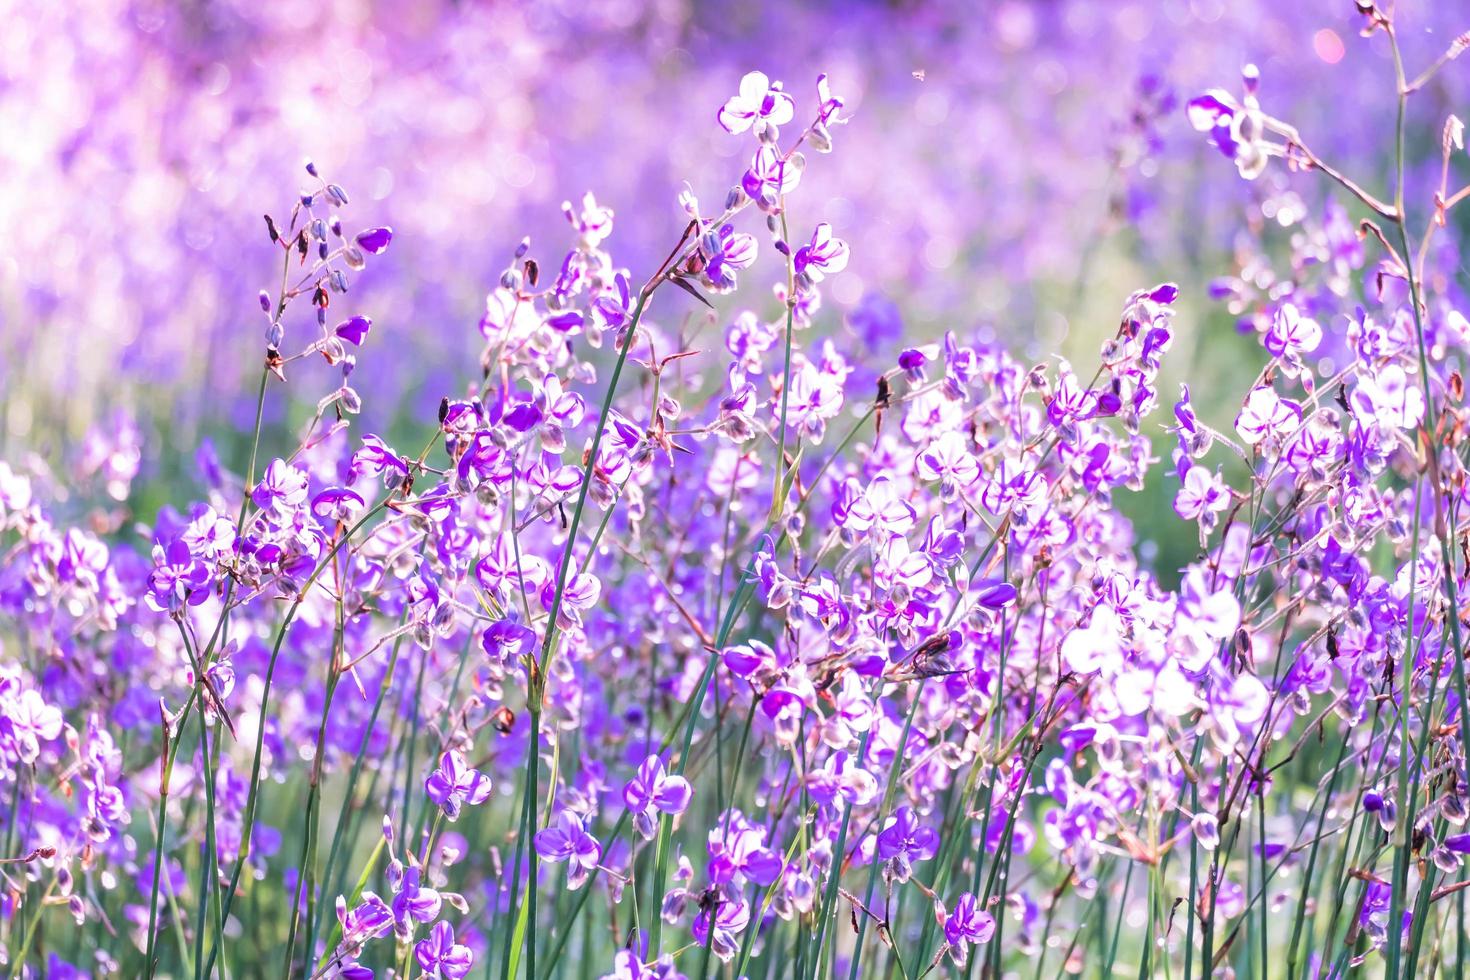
(675, 490)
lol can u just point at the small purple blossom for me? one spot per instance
(653, 789)
(967, 924)
(569, 841)
(354, 330)
(413, 903)
(904, 841)
(179, 579)
(375, 241)
(454, 784)
(1266, 415)
(759, 99)
(440, 957)
(823, 256)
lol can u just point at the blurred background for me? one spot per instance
(1012, 168)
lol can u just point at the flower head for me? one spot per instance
(439, 956)
(759, 98)
(569, 841)
(653, 789)
(454, 784)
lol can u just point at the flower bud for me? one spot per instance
(351, 403)
(674, 903)
(820, 139)
(1250, 77)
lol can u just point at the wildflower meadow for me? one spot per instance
(678, 491)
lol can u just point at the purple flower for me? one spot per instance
(454, 784)
(178, 578)
(376, 458)
(1266, 415)
(759, 98)
(25, 722)
(877, 507)
(355, 330)
(904, 841)
(593, 223)
(507, 316)
(948, 460)
(1238, 130)
(413, 903)
(210, 535)
(1388, 399)
(440, 956)
(968, 924)
(523, 416)
(506, 639)
(1203, 495)
(823, 256)
(337, 505)
(1292, 334)
(1208, 613)
(753, 659)
(770, 175)
(555, 411)
(281, 489)
(1384, 810)
(375, 240)
(842, 777)
(610, 310)
(654, 789)
(730, 919)
(1213, 113)
(1206, 830)
(827, 103)
(1071, 402)
(368, 920)
(579, 594)
(913, 360)
(1096, 646)
(569, 841)
(738, 852)
(816, 396)
(993, 594)
(726, 251)
(1163, 690)
(628, 965)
